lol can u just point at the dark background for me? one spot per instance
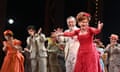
(41, 13)
(50, 14)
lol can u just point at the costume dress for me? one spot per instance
(14, 60)
(88, 56)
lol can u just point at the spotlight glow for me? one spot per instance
(10, 21)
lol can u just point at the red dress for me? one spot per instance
(14, 60)
(87, 57)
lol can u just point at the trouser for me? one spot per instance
(39, 64)
(70, 63)
(28, 65)
(61, 61)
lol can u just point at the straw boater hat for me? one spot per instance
(114, 36)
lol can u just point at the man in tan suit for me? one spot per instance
(38, 52)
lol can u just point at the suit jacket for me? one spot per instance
(72, 44)
(36, 45)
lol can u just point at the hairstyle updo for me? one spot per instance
(8, 33)
(82, 16)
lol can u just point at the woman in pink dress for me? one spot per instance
(87, 57)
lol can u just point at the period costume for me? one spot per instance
(113, 58)
(14, 60)
(101, 50)
(88, 56)
(53, 48)
(61, 53)
(38, 52)
(71, 49)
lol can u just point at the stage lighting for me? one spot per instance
(10, 21)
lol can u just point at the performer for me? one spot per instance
(100, 47)
(14, 60)
(72, 45)
(113, 50)
(60, 40)
(87, 57)
(53, 49)
(36, 47)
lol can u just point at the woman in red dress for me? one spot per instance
(14, 60)
(87, 57)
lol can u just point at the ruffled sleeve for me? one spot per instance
(17, 42)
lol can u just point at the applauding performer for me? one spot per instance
(14, 60)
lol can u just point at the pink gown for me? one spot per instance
(87, 57)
